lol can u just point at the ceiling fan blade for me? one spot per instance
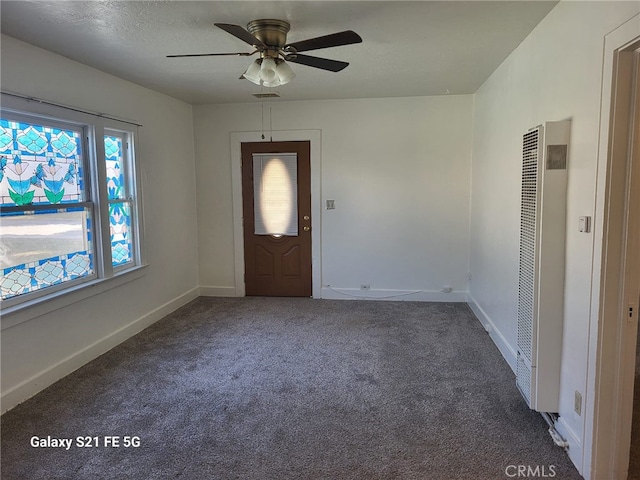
(347, 37)
(317, 62)
(238, 54)
(241, 33)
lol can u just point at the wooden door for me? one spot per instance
(277, 264)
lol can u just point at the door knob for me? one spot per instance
(306, 228)
(306, 217)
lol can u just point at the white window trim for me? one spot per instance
(12, 312)
(37, 307)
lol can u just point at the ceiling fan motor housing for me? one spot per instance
(272, 33)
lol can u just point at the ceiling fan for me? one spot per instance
(269, 38)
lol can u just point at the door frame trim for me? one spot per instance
(314, 138)
(605, 398)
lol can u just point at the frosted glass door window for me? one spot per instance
(275, 194)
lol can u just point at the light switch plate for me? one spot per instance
(331, 204)
(577, 402)
(584, 224)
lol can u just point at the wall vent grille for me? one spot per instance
(523, 374)
(266, 95)
(541, 268)
(526, 274)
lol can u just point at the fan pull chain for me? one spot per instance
(262, 107)
(270, 118)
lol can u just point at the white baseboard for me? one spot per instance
(211, 291)
(38, 382)
(506, 350)
(332, 293)
(575, 444)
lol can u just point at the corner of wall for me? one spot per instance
(575, 450)
(498, 338)
(38, 382)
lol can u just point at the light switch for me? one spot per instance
(331, 204)
(584, 224)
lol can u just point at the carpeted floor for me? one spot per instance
(283, 388)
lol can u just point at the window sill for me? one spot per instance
(35, 308)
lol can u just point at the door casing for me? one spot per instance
(236, 140)
(607, 398)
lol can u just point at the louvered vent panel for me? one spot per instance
(541, 268)
(528, 205)
(523, 378)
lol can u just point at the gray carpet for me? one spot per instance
(281, 388)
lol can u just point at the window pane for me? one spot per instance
(115, 167)
(120, 229)
(39, 164)
(47, 210)
(42, 249)
(120, 205)
(275, 196)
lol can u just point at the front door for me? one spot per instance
(276, 204)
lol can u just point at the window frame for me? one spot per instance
(86, 203)
(96, 202)
(130, 186)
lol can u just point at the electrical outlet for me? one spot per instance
(577, 403)
(365, 286)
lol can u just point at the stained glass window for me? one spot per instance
(39, 165)
(53, 219)
(119, 205)
(45, 223)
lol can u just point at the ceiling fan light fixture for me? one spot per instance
(276, 72)
(268, 37)
(268, 70)
(253, 72)
(284, 72)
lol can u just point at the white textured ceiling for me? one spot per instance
(409, 48)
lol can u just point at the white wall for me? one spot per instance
(398, 170)
(39, 349)
(555, 74)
